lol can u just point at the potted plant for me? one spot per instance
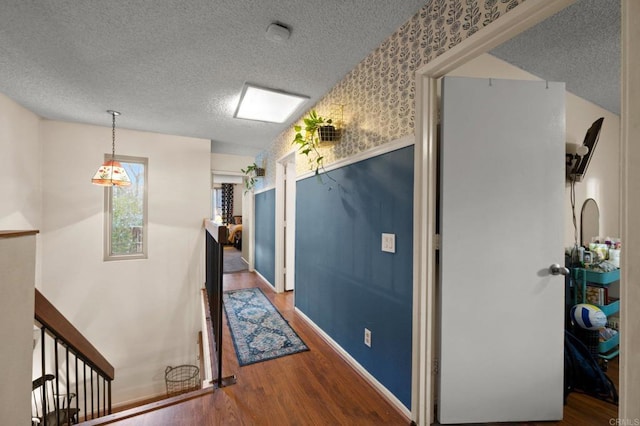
(328, 132)
(316, 130)
(252, 173)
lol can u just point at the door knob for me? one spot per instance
(556, 269)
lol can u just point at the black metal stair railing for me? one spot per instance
(72, 379)
(215, 236)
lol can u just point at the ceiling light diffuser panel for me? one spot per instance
(273, 106)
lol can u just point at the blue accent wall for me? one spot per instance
(265, 229)
(344, 282)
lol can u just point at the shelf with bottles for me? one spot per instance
(585, 278)
(594, 284)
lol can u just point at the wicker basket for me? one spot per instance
(182, 379)
(590, 338)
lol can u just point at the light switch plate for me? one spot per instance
(389, 243)
(367, 337)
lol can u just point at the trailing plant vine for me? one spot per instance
(307, 139)
(252, 172)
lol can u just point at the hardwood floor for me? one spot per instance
(313, 388)
(316, 387)
(585, 410)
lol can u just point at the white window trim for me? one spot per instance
(107, 213)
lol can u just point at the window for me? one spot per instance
(126, 213)
(216, 205)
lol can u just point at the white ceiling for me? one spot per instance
(580, 46)
(178, 66)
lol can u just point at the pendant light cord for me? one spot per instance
(113, 136)
(113, 142)
(105, 174)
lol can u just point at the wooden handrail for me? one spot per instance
(11, 234)
(50, 317)
(217, 230)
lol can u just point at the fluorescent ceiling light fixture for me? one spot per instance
(258, 103)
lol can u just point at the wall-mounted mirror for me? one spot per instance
(589, 221)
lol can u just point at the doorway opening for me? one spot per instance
(598, 183)
(426, 158)
(285, 223)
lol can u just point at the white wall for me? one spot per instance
(221, 163)
(230, 163)
(20, 180)
(20, 207)
(143, 315)
(237, 199)
(17, 272)
(233, 164)
(602, 180)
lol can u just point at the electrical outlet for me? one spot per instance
(367, 337)
(389, 243)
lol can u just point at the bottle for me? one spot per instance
(587, 258)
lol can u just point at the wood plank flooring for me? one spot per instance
(313, 388)
(583, 410)
(316, 387)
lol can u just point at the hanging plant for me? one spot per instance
(252, 172)
(308, 138)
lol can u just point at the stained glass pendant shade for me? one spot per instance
(111, 173)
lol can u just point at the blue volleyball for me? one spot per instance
(587, 316)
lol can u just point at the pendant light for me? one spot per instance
(111, 173)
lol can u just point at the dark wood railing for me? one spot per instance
(75, 380)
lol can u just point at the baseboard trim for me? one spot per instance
(379, 387)
(136, 402)
(152, 406)
(266, 281)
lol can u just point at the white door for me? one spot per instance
(502, 192)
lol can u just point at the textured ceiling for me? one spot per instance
(580, 46)
(178, 66)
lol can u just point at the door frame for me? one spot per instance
(425, 352)
(629, 386)
(249, 225)
(285, 202)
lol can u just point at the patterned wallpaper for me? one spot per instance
(378, 94)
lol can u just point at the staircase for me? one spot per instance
(71, 381)
(72, 378)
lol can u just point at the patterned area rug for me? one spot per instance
(258, 330)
